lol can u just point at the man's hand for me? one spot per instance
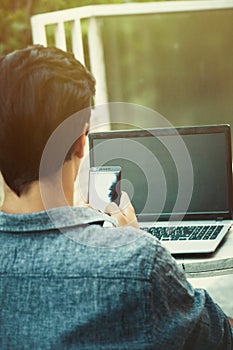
(124, 214)
(231, 321)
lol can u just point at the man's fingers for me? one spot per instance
(113, 210)
(124, 201)
(124, 214)
(126, 206)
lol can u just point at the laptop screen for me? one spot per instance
(171, 173)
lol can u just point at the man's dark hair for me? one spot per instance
(39, 88)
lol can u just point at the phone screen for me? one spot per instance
(104, 186)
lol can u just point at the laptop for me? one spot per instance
(179, 181)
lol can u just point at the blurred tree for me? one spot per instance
(15, 29)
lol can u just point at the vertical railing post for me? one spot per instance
(60, 36)
(38, 32)
(96, 54)
(77, 40)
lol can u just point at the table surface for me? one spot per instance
(216, 264)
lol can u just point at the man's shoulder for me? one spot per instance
(119, 251)
(80, 246)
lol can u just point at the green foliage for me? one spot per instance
(14, 30)
(45, 6)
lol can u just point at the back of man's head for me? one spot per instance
(39, 88)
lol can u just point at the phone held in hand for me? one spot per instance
(104, 186)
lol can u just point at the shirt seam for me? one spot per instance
(61, 276)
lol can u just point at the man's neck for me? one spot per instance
(32, 201)
(29, 202)
(54, 192)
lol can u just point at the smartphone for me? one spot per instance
(104, 186)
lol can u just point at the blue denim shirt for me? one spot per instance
(67, 282)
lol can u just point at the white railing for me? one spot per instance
(91, 14)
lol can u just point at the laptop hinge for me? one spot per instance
(220, 218)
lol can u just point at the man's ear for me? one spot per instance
(81, 142)
(80, 146)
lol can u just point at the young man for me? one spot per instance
(67, 281)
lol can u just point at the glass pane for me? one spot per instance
(179, 64)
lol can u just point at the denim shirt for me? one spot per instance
(69, 282)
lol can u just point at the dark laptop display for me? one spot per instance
(169, 173)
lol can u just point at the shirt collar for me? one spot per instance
(62, 217)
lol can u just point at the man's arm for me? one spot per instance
(189, 315)
(212, 330)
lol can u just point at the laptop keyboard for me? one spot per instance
(179, 233)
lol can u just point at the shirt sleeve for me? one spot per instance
(212, 330)
(189, 316)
